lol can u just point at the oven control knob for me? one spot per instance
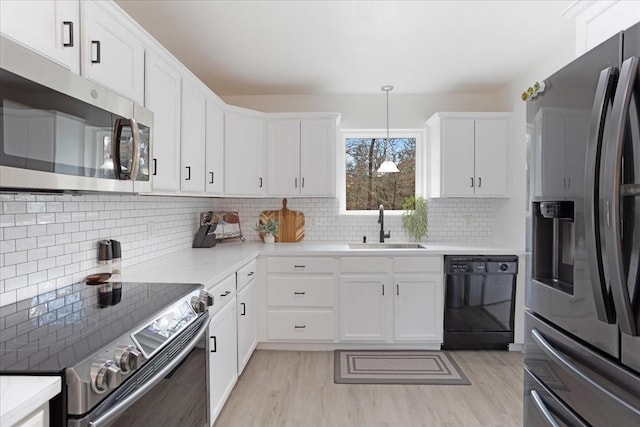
(504, 267)
(202, 302)
(105, 374)
(128, 358)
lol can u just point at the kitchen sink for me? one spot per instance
(386, 246)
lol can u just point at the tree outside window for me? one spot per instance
(365, 188)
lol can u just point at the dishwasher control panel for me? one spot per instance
(482, 265)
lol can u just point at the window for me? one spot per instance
(364, 151)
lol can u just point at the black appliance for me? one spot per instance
(582, 324)
(125, 352)
(479, 302)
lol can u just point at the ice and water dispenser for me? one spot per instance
(553, 244)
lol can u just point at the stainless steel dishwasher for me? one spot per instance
(479, 302)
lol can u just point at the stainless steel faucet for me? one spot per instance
(383, 235)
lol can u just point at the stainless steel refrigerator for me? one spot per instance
(582, 319)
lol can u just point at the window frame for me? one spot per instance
(420, 136)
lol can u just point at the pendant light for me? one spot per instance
(388, 166)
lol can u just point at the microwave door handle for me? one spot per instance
(612, 194)
(593, 222)
(115, 146)
(135, 155)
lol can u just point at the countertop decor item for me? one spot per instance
(415, 217)
(269, 230)
(291, 223)
(227, 224)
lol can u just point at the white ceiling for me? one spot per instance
(355, 47)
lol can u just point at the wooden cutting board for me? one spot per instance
(291, 223)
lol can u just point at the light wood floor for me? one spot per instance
(291, 388)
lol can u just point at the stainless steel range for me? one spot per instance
(113, 345)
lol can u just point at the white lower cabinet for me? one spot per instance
(364, 309)
(391, 299)
(222, 345)
(301, 298)
(247, 324)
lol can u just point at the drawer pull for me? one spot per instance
(397, 289)
(300, 326)
(244, 309)
(215, 344)
(225, 294)
(251, 273)
(299, 293)
(299, 266)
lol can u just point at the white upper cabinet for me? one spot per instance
(111, 54)
(243, 136)
(301, 156)
(192, 138)
(283, 157)
(214, 148)
(51, 28)
(318, 156)
(162, 96)
(468, 154)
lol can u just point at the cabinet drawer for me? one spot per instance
(246, 274)
(300, 291)
(300, 325)
(300, 265)
(364, 265)
(222, 293)
(417, 264)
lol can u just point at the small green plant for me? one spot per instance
(415, 217)
(271, 227)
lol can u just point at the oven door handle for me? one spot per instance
(118, 409)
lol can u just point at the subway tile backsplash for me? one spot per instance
(48, 242)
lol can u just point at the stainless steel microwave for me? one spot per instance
(62, 132)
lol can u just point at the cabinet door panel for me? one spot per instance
(418, 308)
(214, 149)
(118, 62)
(163, 98)
(192, 138)
(457, 157)
(317, 157)
(491, 146)
(222, 350)
(283, 157)
(363, 313)
(40, 25)
(247, 324)
(243, 155)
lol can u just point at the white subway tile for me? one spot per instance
(36, 207)
(46, 241)
(36, 254)
(70, 206)
(16, 283)
(14, 233)
(55, 251)
(8, 272)
(45, 218)
(36, 230)
(14, 207)
(26, 268)
(35, 278)
(25, 219)
(26, 244)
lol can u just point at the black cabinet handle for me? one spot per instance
(211, 174)
(299, 293)
(299, 326)
(188, 178)
(397, 289)
(296, 183)
(471, 181)
(251, 273)
(155, 166)
(260, 186)
(69, 25)
(215, 344)
(96, 43)
(299, 266)
(225, 294)
(302, 182)
(383, 289)
(479, 181)
(244, 309)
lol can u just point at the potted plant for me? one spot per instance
(415, 217)
(269, 230)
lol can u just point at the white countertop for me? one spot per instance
(19, 396)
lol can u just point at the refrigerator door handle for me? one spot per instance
(594, 225)
(542, 408)
(612, 194)
(565, 364)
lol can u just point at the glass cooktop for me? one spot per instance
(57, 329)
